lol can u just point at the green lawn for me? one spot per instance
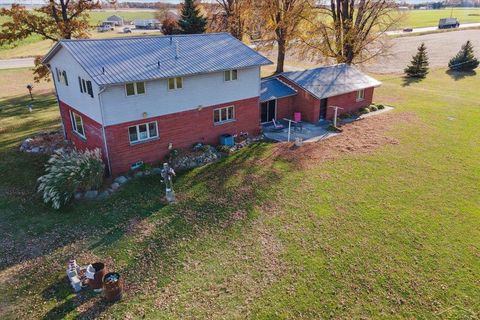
(429, 18)
(392, 233)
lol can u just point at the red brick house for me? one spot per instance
(313, 92)
(137, 98)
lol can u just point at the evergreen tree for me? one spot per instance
(464, 60)
(191, 21)
(418, 67)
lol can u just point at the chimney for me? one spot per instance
(177, 54)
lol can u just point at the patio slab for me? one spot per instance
(310, 132)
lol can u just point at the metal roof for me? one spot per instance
(120, 60)
(331, 81)
(273, 88)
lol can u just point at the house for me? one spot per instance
(314, 92)
(136, 98)
(117, 20)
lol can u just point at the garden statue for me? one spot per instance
(167, 175)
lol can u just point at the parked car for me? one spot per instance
(103, 28)
(127, 30)
(408, 29)
(447, 23)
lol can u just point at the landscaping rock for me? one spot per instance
(35, 150)
(138, 174)
(121, 180)
(115, 186)
(103, 195)
(157, 170)
(78, 195)
(92, 194)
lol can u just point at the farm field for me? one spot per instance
(382, 221)
(429, 18)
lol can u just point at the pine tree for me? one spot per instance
(191, 21)
(418, 67)
(464, 60)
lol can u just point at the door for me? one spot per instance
(267, 111)
(323, 109)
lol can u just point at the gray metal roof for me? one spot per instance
(331, 81)
(120, 60)
(272, 89)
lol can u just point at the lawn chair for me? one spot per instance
(297, 117)
(276, 126)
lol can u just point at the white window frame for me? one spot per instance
(361, 95)
(137, 127)
(135, 89)
(74, 124)
(175, 83)
(230, 75)
(61, 76)
(221, 111)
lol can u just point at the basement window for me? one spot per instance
(77, 124)
(175, 83)
(135, 88)
(230, 75)
(223, 115)
(142, 132)
(360, 95)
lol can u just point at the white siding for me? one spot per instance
(71, 94)
(205, 90)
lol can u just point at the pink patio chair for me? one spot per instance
(297, 117)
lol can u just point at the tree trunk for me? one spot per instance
(280, 56)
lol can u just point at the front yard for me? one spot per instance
(380, 221)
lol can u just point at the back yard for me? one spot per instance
(381, 221)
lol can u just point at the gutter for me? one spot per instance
(105, 145)
(58, 100)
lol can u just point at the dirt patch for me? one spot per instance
(362, 136)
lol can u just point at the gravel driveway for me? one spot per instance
(441, 48)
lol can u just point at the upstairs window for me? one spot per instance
(85, 86)
(142, 132)
(62, 76)
(175, 83)
(230, 75)
(360, 95)
(222, 115)
(135, 88)
(77, 124)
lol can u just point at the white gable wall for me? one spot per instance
(205, 90)
(71, 94)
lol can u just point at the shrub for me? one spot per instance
(380, 106)
(345, 116)
(68, 172)
(464, 60)
(373, 108)
(418, 67)
(364, 110)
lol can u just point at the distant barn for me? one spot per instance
(116, 19)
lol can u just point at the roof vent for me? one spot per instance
(171, 40)
(103, 70)
(158, 64)
(177, 55)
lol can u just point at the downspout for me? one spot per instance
(58, 100)
(105, 145)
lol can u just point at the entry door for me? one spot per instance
(323, 109)
(267, 112)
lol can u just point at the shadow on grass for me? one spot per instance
(459, 75)
(407, 81)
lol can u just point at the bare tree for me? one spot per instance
(351, 31)
(283, 24)
(231, 16)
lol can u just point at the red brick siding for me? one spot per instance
(349, 103)
(304, 102)
(182, 129)
(284, 108)
(93, 130)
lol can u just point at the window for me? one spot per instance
(77, 124)
(62, 76)
(135, 88)
(223, 115)
(143, 132)
(175, 83)
(85, 86)
(360, 95)
(230, 75)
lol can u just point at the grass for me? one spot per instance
(429, 18)
(389, 234)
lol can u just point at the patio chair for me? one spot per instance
(297, 117)
(276, 126)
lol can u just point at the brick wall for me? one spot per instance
(349, 103)
(93, 130)
(285, 108)
(182, 129)
(304, 102)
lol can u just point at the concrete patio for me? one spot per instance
(309, 132)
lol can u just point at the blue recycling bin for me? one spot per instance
(227, 140)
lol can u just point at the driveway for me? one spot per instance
(429, 29)
(16, 63)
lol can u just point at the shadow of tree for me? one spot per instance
(407, 81)
(459, 75)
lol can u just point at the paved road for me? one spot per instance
(429, 29)
(16, 63)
